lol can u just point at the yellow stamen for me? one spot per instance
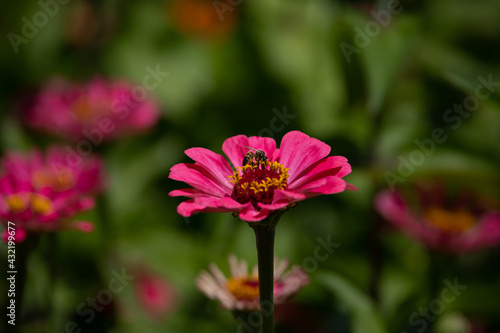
(450, 221)
(83, 110)
(16, 203)
(256, 182)
(86, 110)
(41, 204)
(60, 182)
(244, 287)
(235, 177)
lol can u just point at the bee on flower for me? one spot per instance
(300, 169)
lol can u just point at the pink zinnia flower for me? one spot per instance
(56, 169)
(240, 292)
(96, 111)
(461, 226)
(299, 170)
(156, 295)
(41, 193)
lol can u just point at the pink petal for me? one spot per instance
(233, 205)
(19, 236)
(52, 217)
(332, 185)
(275, 156)
(214, 163)
(350, 187)
(198, 205)
(22, 165)
(198, 177)
(268, 145)
(392, 207)
(188, 192)
(235, 147)
(144, 116)
(324, 185)
(485, 234)
(491, 228)
(155, 294)
(75, 205)
(298, 151)
(330, 166)
(346, 167)
(84, 226)
(273, 206)
(283, 198)
(253, 215)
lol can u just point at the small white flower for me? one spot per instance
(241, 290)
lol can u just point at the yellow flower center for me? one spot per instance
(450, 221)
(244, 287)
(82, 109)
(256, 182)
(16, 203)
(21, 201)
(64, 181)
(87, 111)
(41, 204)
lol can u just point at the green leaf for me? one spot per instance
(365, 316)
(132, 174)
(457, 68)
(384, 53)
(303, 55)
(187, 62)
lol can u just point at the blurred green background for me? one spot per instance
(368, 88)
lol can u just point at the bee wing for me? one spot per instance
(250, 148)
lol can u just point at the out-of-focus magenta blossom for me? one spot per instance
(41, 193)
(299, 170)
(98, 111)
(241, 291)
(15, 235)
(455, 228)
(156, 295)
(56, 169)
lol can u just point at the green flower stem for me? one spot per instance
(51, 252)
(264, 235)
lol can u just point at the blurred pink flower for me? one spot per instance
(241, 290)
(299, 170)
(461, 227)
(17, 235)
(97, 111)
(56, 169)
(155, 294)
(41, 192)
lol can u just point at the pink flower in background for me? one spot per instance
(97, 111)
(299, 170)
(459, 227)
(55, 169)
(241, 290)
(155, 294)
(41, 193)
